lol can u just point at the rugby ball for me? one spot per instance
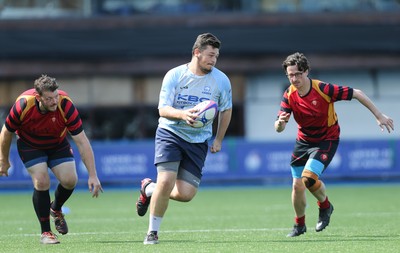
(207, 112)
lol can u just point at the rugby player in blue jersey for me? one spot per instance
(180, 148)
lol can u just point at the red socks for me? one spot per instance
(301, 221)
(325, 204)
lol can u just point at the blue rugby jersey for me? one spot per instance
(182, 89)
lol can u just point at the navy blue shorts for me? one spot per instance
(31, 156)
(171, 148)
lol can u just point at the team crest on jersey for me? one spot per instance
(314, 103)
(53, 119)
(207, 90)
(324, 157)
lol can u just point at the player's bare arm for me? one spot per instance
(224, 119)
(5, 143)
(86, 153)
(382, 120)
(188, 115)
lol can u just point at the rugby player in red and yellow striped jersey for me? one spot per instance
(41, 118)
(311, 102)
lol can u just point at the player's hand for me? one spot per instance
(283, 118)
(94, 186)
(385, 121)
(4, 167)
(190, 116)
(216, 146)
(280, 123)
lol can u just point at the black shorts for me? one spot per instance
(171, 148)
(322, 151)
(31, 156)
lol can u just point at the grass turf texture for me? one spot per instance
(366, 219)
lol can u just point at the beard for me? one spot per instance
(48, 108)
(203, 66)
(205, 70)
(51, 109)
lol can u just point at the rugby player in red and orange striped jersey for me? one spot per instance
(311, 102)
(41, 118)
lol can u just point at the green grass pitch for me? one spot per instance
(230, 219)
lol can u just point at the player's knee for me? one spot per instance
(69, 184)
(183, 191)
(185, 198)
(69, 181)
(308, 181)
(312, 183)
(181, 197)
(298, 186)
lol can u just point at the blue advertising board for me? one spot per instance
(129, 162)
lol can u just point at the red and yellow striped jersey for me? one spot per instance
(43, 130)
(315, 113)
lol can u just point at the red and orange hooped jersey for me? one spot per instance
(315, 113)
(43, 130)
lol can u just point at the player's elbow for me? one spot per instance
(357, 94)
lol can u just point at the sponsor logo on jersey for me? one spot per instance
(190, 99)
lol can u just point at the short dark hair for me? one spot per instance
(296, 59)
(45, 83)
(204, 40)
